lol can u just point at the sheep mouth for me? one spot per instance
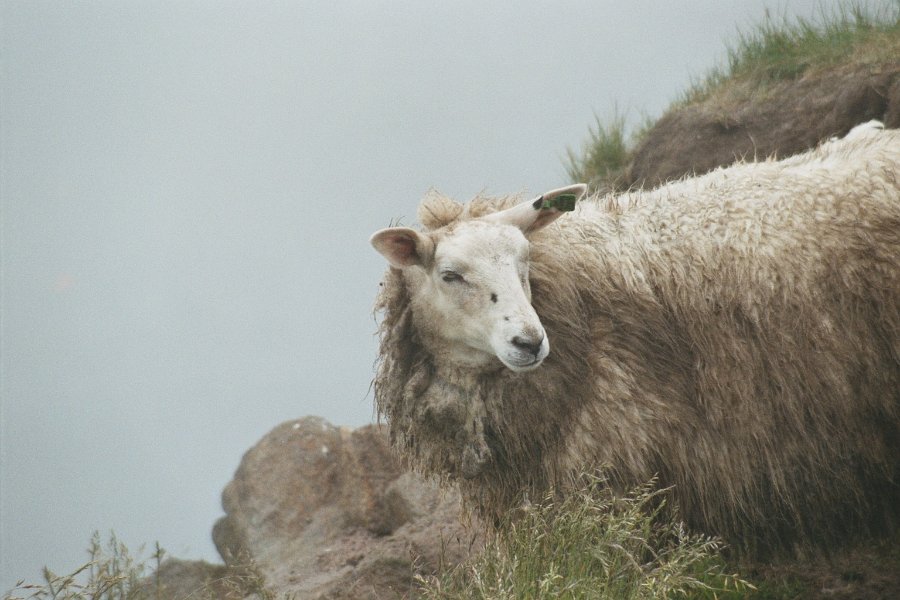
(521, 361)
(520, 366)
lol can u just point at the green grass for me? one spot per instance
(779, 49)
(603, 157)
(775, 50)
(591, 545)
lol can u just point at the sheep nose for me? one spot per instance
(528, 345)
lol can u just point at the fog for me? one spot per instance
(187, 193)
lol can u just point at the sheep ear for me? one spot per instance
(403, 247)
(540, 212)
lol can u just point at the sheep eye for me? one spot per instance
(450, 276)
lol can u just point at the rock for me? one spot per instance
(181, 579)
(319, 511)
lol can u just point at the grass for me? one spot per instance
(591, 545)
(775, 50)
(604, 156)
(114, 573)
(778, 49)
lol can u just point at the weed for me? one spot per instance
(603, 158)
(112, 573)
(591, 544)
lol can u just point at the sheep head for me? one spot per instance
(468, 283)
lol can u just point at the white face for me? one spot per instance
(476, 298)
(469, 286)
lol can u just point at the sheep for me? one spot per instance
(734, 335)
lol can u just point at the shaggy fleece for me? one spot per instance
(736, 335)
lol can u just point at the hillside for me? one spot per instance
(785, 88)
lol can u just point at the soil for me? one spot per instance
(863, 573)
(784, 118)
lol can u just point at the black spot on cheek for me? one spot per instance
(537, 204)
(506, 318)
(494, 298)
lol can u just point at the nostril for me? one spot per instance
(528, 345)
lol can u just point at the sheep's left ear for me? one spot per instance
(540, 212)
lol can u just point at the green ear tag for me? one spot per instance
(563, 202)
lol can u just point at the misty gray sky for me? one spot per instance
(187, 193)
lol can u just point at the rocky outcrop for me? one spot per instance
(318, 511)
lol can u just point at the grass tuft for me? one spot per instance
(604, 156)
(591, 544)
(777, 49)
(112, 573)
(780, 49)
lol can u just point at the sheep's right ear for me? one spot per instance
(540, 212)
(403, 247)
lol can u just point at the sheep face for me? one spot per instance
(468, 284)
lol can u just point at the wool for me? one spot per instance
(735, 335)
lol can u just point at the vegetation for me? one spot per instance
(773, 51)
(604, 157)
(591, 545)
(777, 49)
(113, 573)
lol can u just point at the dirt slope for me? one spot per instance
(785, 118)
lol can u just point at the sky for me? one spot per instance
(188, 189)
